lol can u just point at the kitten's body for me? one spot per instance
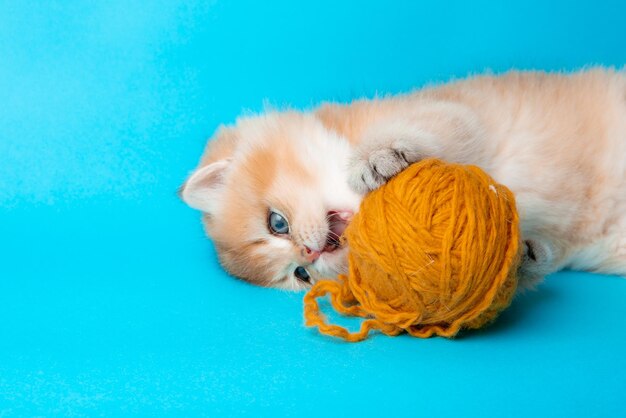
(557, 141)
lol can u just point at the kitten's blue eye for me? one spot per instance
(278, 224)
(302, 274)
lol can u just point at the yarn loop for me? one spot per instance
(433, 251)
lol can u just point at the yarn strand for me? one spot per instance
(315, 318)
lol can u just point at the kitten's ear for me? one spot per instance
(204, 187)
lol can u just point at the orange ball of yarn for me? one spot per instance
(434, 250)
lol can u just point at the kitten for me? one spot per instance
(277, 190)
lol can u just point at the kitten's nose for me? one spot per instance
(310, 255)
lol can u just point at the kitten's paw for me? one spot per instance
(373, 167)
(537, 262)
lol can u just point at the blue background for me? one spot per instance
(111, 299)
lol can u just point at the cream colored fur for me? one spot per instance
(558, 141)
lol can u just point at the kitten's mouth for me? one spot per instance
(337, 223)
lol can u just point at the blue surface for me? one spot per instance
(111, 300)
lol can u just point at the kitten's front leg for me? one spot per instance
(444, 130)
(376, 160)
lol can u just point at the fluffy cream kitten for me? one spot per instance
(277, 190)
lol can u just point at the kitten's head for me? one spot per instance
(275, 198)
